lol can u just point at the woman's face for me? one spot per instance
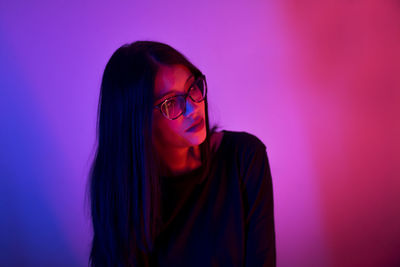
(170, 81)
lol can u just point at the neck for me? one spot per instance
(175, 161)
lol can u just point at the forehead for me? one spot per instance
(171, 79)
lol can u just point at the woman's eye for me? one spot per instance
(170, 102)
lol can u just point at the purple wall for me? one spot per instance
(317, 81)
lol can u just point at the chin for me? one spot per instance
(196, 138)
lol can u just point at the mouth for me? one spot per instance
(197, 125)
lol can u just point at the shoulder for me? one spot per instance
(243, 141)
(248, 152)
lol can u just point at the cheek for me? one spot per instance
(172, 126)
(166, 129)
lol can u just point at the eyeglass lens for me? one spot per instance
(175, 106)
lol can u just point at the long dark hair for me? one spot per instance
(124, 176)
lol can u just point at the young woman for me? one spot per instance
(165, 189)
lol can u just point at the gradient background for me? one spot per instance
(317, 81)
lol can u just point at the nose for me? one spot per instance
(190, 107)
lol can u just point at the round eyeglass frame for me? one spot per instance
(201, 77)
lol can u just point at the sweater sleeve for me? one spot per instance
(259, 206)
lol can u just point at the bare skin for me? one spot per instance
(179, 161)
(184, 160)
(177, 147)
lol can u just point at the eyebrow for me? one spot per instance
(173, 90)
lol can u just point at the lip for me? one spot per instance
(195, 125)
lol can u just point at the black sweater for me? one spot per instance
(223, 218)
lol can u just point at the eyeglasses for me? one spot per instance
(175, 106)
